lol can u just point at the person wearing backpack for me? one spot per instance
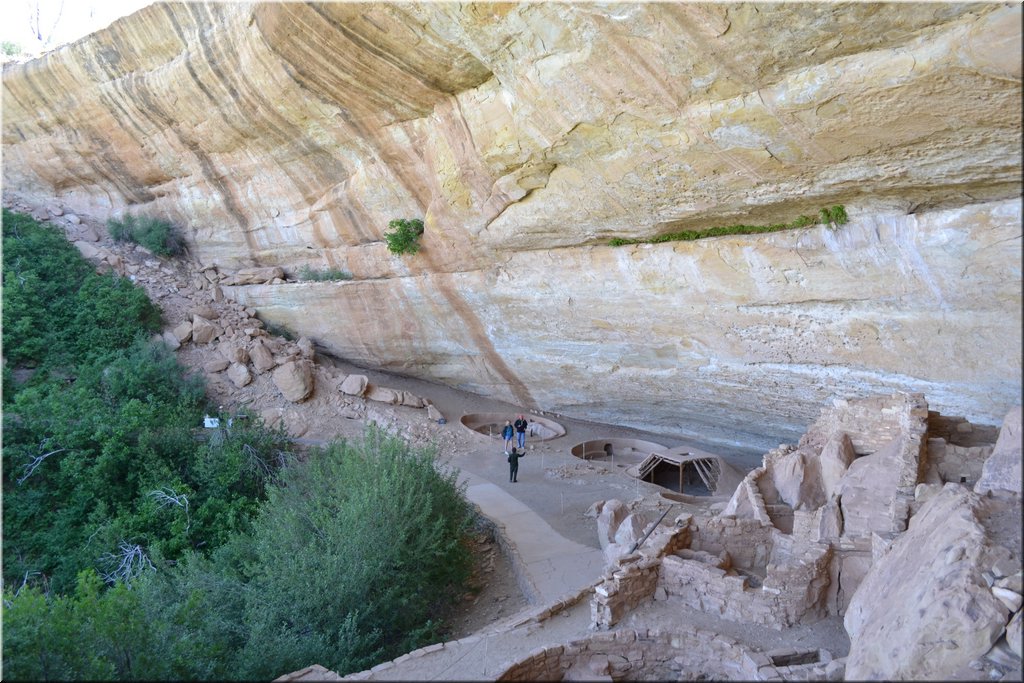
(513, 464)
(520, 425)
(506, 433)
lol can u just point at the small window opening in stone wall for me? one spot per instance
(795, 659)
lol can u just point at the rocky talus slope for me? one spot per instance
(283, 135)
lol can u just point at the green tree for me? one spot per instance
(404, 235)
(359, 552)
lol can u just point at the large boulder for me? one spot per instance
(295, 380)
(261, 357)
(239, 375)
(233, 351)
(87, 250)
(797, 479)
(183, 331)
(204, 331)
(306, 348)
(171, 340)
(611, 516)
(206, 311)
(867, 490)
(354, 385)
(632, 529)
(412, 400)
(924, 608)
(1002, 470)
(216, 364)
(384, 395)
(1013, 634)
(834, 460)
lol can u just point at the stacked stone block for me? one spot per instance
(742, 571)
(634, 578)
(684, 653)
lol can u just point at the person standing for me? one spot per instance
(520, 425)
(513, 464)
(506, 433)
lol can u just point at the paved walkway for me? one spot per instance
(547, 564)
(552, 572)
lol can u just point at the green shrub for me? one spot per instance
(56, 308)
(309, 274)
(155, 234)
(359, 553)
(836, 215)
(839, 216)
(404, 235)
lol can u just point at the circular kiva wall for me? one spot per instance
(629, 450)
(491, 424)
(684, 654)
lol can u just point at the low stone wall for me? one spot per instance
(958, 464)
(635, 655)
(749, 542)
(869, 422)
(685, 653)
(959, 432)
(792, 591)
(635, 578)
(630, 585)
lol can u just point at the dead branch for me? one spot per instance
(128, 564)
(166, 496)
(31, 467)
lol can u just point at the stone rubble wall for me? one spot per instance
(958, 431)
(632, 655)
(633, 579)
(749, 542)
(869, 422)
(792, 592)
(958, 464)
(685, 653)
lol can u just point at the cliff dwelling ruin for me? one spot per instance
(752, 271)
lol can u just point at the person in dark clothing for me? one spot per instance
(506, 433)
(520, 425)
(513, 464)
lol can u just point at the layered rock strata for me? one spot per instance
(282, 135)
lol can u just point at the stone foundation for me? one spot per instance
(685, 653)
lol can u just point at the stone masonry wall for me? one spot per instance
(685, 653)
(635, 577)
(749, 542)
(791, 593)
(635, 655)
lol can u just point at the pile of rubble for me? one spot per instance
(246, 367)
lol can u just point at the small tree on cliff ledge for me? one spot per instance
(404, 235)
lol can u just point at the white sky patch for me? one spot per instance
(60, 21)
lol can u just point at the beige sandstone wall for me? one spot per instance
(526, 136)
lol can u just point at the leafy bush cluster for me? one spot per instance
(352, 560)
(306, 273)
(404, 235)
(155, 234)
(56, 309)
(836, 215)
(138, 545)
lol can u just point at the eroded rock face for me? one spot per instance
(526, 136)
(1002, 470)
(924, 609)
